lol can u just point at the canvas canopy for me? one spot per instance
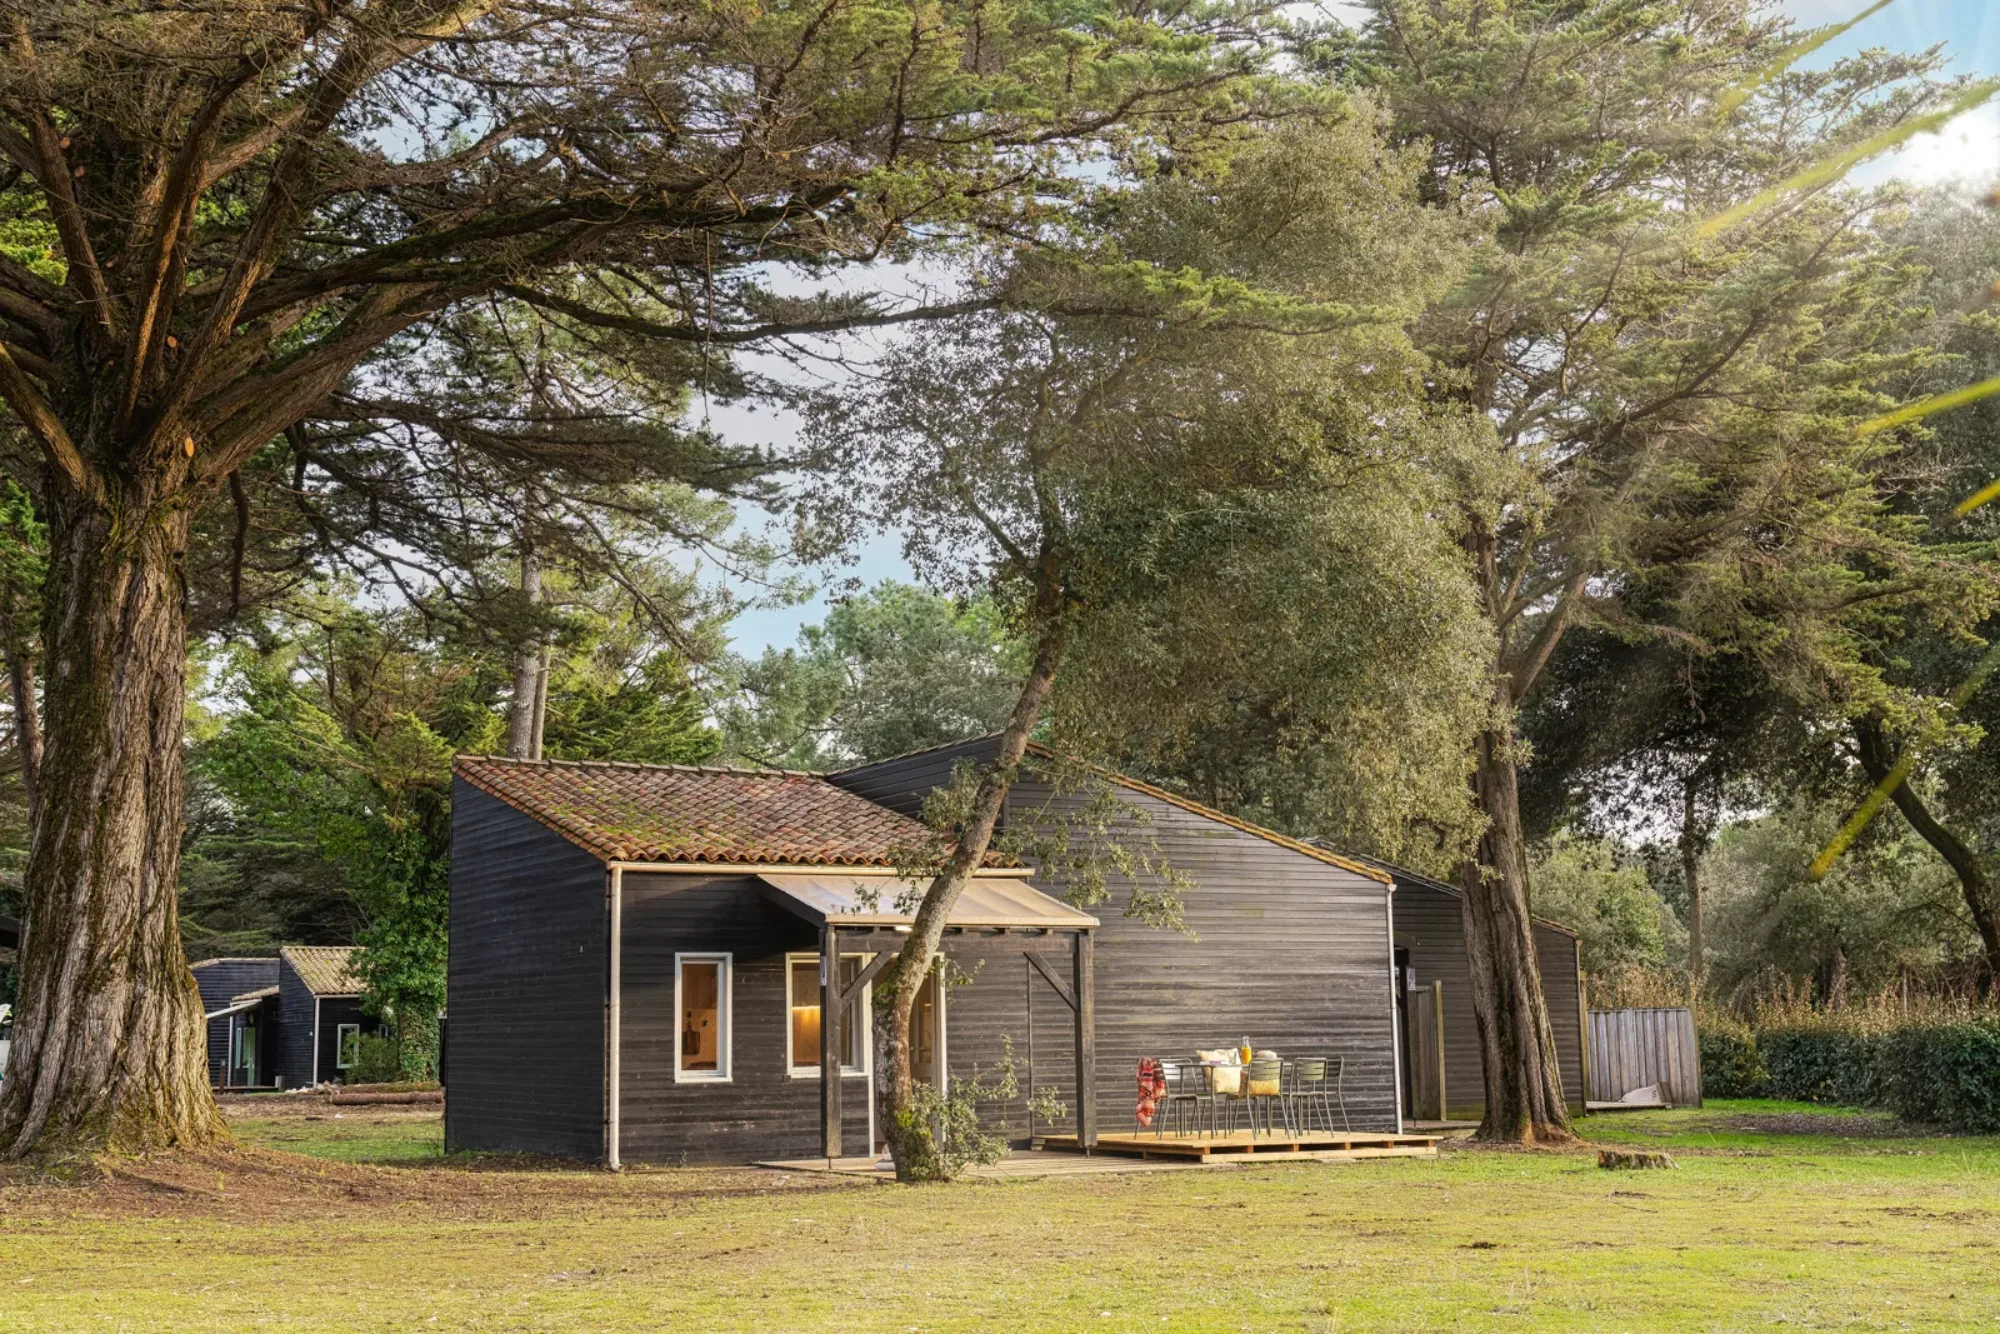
(988, 902)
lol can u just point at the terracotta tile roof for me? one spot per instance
(676, 813)
(327, 970)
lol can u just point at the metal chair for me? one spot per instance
(1187, 1089)
(1316, 1085)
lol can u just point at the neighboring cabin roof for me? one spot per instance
(1318, 854)
(327, 970)
(271, 959)
(681, 813)
(1429, 882)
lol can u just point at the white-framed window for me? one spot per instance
(703, 998)
(802, 1018)
(346, 1046)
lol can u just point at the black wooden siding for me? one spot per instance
(219, 980)
(902, 784)
(1285, 949)
(763, 1112)
(1430, 924)
(333, 1012)
(527, 981)
(296, 1021)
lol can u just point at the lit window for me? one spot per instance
(346, 1046)
(802, 987)
(701, 995)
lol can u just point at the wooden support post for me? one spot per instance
(829, 1041)
(1437, 1020)
(1086, 1040)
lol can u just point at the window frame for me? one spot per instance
(866, 1006)
(340, 1046)
(725, 1017)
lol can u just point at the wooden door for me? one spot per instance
(1426, 1009)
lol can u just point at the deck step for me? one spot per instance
(1203, 1148)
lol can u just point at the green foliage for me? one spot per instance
(1934, 1062)
(1731, 1065)
(1946, 1075)
(956, 1135)
(892, 670)
(1889, 908)
(377, 1060)
(1583, 884)
(1823, 1062)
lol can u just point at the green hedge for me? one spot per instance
(1823, 1064)
(1938, 1073)
(1945, 1075)
(1731, 1066)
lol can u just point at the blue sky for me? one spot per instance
(1969, 148)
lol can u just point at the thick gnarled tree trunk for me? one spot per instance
(109, 1045)
(910, 1143)
(1524, 1094)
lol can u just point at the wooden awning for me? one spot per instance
(989, 902)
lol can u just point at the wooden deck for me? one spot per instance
(1242, 1144)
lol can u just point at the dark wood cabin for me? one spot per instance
(320, 1019)
(240, 998)
(1287, 944)
(641, 956)
(1431, 968)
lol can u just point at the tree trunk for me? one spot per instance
(1524, 1094)
(527, 665)
(1877, 760)
(1694, 840)
(110, 1049)
(910, 1141)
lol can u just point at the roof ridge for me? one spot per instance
(910, 754)
(514, 762)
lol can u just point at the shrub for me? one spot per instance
(1945, 1074)
(1827, 1063)
(376, 1062)
(1731, 1065)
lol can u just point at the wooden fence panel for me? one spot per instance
(1630, 1049)
(1427, 1054)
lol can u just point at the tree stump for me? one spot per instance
(1623, 1159)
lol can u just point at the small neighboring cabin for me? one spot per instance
(292, 1021)
(641, 956)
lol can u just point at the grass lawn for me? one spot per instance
(1779, 1215)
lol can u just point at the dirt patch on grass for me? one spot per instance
(246, 1183)
(1810, 1123)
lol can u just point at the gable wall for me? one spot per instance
(527, 982)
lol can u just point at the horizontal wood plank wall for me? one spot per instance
(762, 1112)
(1430, 924)
(295, 1030)
(527, 985)
(219, 982)
(1285, 949)
(902, 784)
(988, 1013)
(333, 1012)
(1633, 1048)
